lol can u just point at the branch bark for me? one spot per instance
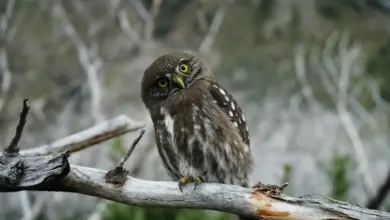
(53, 172)
(79, 141)
(58, 175)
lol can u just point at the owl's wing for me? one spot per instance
(229, 105)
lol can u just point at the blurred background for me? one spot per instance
(312, 77)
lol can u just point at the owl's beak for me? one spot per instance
(179, 80)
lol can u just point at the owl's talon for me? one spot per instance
(183, 181)
(197, 181)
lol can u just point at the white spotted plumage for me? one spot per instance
(221, 91)
(233, 106)
(227, 102)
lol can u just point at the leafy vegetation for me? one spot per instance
(339, 176)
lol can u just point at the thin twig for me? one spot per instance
(4, 66)
(300, 70)
(208, 41)
(348, 57)
(131, 149)
(331, 76)
(140, 9)
(25, 203)
(150, 22)
(36, 209)
(118, 174)
(90, 62)
(201, 17)
(6, 16)
(126, 27)
(13, 147)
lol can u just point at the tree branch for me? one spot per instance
(89, 137)
(13, 147)
(209, 39)
(54, 173)
(220, 197)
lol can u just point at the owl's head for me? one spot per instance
(170, 74)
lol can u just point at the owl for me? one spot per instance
(200, 130)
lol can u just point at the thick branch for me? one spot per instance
(32, 173)
(226, 198)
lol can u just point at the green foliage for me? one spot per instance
(339, 175)
(116, 211)
(117, 150)
(287, 168)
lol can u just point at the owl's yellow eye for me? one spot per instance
(162, 83)
(183, 68)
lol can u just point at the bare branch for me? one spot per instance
(220, 197)
(131, 149)
(36, 209)
(140, 9)
(87, 138)
(90, 61)
(348, 57)
(327, 57)
(4, 66)
(226, 198)
(126, 27)
(5, 17)
(25, 203)
(201, 18)
(336, 82)
(6, 72)
(300, 71)
(208, 41)
(118, 174)
(151, 20)
(13, 147)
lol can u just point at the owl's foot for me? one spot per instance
(197, 181)
(184, 180)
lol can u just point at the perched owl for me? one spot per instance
(201, 132)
